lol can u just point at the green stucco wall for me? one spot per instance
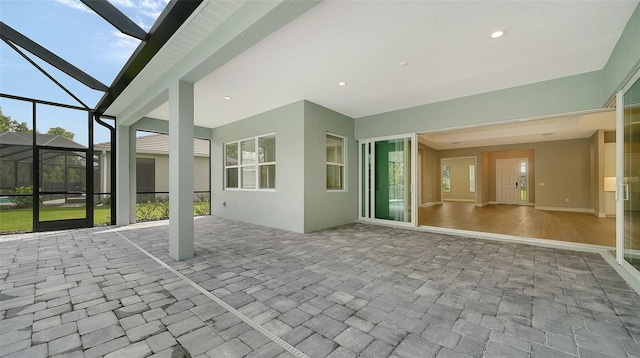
(282, 208)
(624, 59)
(563, 95)
(300, 201)
(323, 209)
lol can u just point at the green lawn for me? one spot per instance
(21, 220)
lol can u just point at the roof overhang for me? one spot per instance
(214, 34)
(172, 18)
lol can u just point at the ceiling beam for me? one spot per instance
(116, 18)
(9, 34)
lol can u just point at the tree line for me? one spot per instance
(10, 125)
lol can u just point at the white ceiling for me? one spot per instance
(446, 45)
(544, 130)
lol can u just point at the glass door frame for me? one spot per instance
(621, 188)
(64, 224)
(368, 199)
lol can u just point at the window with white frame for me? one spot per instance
(251, 163)
(446, 178)
(335, 145)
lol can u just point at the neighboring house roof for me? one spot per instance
(26, 138)
(17, 146)
(159, 144)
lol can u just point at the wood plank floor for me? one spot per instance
(523, 221)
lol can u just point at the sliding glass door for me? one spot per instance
(386, 178)
(629, 249)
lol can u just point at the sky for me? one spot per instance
(72, 31)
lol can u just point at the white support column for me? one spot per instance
(121, 166)
(181, 166)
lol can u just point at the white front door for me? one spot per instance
(507, 181)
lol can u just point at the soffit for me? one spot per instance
(203, 22)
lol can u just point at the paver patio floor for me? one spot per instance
(353, 291)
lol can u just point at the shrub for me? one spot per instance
(145, 212)
(163, 208)
(201, 209)
(24, 201)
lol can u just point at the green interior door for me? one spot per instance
(631, 250)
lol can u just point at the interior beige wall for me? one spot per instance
(460, 181)
(565, 169)
(430, 175)
(486, 170)
(563, 166)
(610, 136)
(483, 178)
(610, 159)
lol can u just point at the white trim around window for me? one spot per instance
(336, 162)
(250, 164)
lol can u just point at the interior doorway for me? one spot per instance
(458, 179)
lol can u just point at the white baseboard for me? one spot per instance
(482, 204)
(600, 215)
(518, 204)
(461, 200)
(573, 210)
(432, 203)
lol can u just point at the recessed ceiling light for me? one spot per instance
(403, 63)
(227, 97)
(342, 83)
(498, 34)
